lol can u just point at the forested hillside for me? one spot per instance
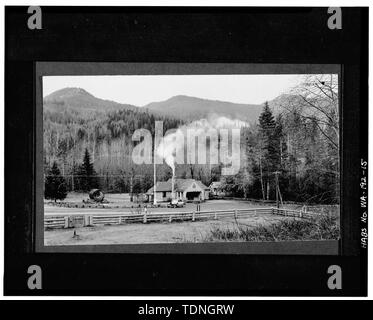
(298, 142)
(106, 134)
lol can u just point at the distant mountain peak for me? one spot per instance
(181, 97)
(184, 97)
(79, 98)
(67, 93)
(193, 108)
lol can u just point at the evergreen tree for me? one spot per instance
(55, 186)
(87, 174)
(266, 119)
(270, 132)
(270, 149)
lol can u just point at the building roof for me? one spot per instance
(180, 185)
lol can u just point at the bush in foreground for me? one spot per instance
(324, 228)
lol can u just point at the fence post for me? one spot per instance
(144, 218)
(235, 214)
(300, 214)
(86, 221)
(304, 209)
(215, 216)
(66, 222)
(170, 219)
(194, 216)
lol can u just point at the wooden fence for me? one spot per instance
(89, 219)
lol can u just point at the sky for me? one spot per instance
(141, 90)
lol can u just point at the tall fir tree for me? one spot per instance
(270, 150)
(55, 186)
(87, 173)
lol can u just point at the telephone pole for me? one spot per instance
(278, 194)
(155, 178)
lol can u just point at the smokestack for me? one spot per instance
(173, 184)
(155, 180)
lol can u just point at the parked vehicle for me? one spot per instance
(176, 203)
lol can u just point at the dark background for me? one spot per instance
(251, 35)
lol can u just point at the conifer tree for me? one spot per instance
(55, 186)
(87, 174)
(270, 148)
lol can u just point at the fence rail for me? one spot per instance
(89, 219)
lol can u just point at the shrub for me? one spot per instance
(323, 228)
(55, 186)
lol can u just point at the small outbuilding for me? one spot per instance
(185, 189)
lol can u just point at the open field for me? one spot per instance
(120, 203)
(197, 231)
(205, 206)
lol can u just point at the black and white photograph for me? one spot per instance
(147, 159)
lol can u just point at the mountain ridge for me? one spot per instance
(78, 98)
(194, 108)
(184, 107)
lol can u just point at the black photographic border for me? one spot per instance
(180, 35)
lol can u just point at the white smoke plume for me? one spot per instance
(171, 143)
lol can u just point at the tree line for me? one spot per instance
(295, 153)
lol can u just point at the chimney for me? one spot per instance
(173, 185)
